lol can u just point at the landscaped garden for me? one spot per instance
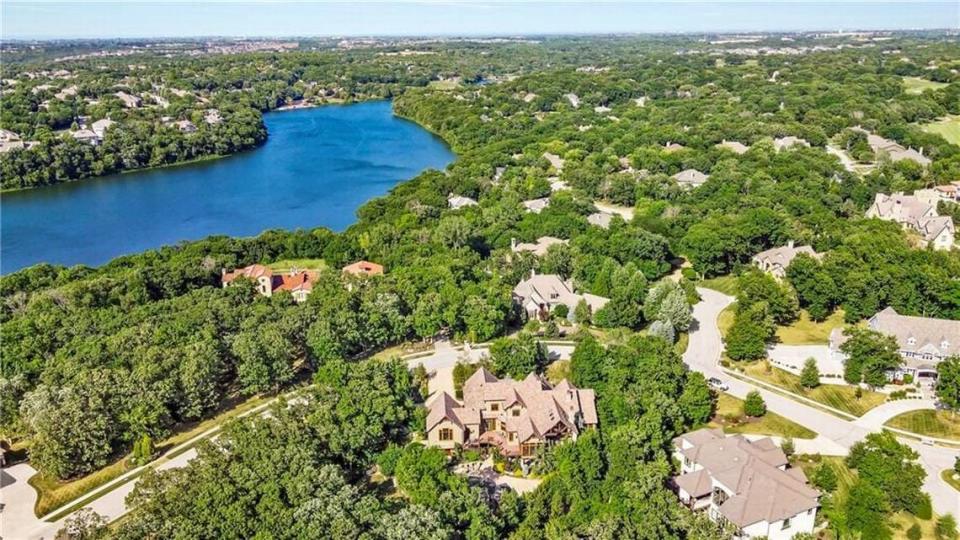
(729, 416)
(840, 397)
(941, 424)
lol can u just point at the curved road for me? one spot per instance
(838, 435)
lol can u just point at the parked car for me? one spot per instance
(717, 384)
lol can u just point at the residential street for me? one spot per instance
(703, 354)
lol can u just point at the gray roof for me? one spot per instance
(938, 337)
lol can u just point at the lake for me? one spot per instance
(317, 167)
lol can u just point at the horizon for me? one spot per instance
(50, 21)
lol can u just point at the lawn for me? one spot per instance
(729, 416)
(948, 128)
(726, 284)
(899, 522)
(558, 371)
(951, 477)
(300, 264)
(916, 85)
(941, 424)
(806, 332)
(840, 397)
(725, 319)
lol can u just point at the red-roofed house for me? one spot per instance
(363, 268)
(298, 283)
(518, 417)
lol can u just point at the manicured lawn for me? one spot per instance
(837, 396)
(729, 416)
(725, 284)
(916, 85)
(725, 319)
(948, 128)
(300, 264)
(807, 332)
(951, 477)
(940, 424)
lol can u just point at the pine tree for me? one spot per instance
(810, 376)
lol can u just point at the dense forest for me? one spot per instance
(97, 358)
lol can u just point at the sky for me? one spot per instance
(40, 19)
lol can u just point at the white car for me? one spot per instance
(717, 384)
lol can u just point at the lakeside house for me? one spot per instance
(540, 294)
(914, 214)
(923, 342)
(10, 140)
(539, 248)
(691, 178)
(101, 126)
(457, 202)
(515, 417)
(85, 136)
(298, 283)
(786, 143)
(363, 268)
(775, 261)
(749, 485)
(734, 146)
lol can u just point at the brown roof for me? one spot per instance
(289, 281)
(697, 484)
(253, 271)
(363, 268)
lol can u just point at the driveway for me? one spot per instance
(792, 357)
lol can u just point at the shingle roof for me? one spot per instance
(919, 334)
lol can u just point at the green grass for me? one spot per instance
(916, 85)
(806, 332)
(948, 128)
(683, 341)
(300, 264)
(729, 416)
(837, 396)
(725, 319)
(941, 424)
(725, 284)
(53, 493)
(443, 85)
(558, 371)
(948, 477)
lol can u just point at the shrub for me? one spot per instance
(387, 460)
(787, 446)
(561, 311)
(914, 532)
(754, 405)
(908, 379)
(924, 509)
(946, 528)
(688, 273)
(825, 478)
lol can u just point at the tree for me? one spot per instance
(84, 524)
(946, 528)
(787, 446)
(754, 405)
(142, 450)
(581, 313)
(748, 336)
(663, 330)
(587, 363)
(870, 356)
(948, 382)
(914, 532)
(866, 510)
(696, 401)
(883, 461)
(265, 358)
(518, 357)
(810, 375)
(825, 478)
(676, 310)
(755, 286)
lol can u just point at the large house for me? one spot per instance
(786, 143)
(923, 341)
(363, 268)
(749, 485)
(691, 178)
(540, 294)
(892, 149)
(913, 213)
(776, 260)
(298, 283)
(457, 202)
(517, 417)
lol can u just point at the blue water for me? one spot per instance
(317, 167)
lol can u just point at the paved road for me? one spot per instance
(703, 354)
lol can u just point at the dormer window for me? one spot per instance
(494, 407)
(944, 344)
(516, 412)
(911, 340)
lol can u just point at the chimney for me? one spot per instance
(513, 243)
(533, 272)
(790, 244)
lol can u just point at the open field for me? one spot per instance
(806, 332)
(899, 522)
(300, 264)
(948, 128)
(916, 85)
(729, 416)
(836, 396)
(941, 424)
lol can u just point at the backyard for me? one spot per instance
(940, 424)
(729, 416)
(840, 397)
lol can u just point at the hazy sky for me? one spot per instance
(38, 19)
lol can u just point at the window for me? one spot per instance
(528, 449)
(516, 412)
(511, 436)
(446, 434)
(786, 524)
(494, 407)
